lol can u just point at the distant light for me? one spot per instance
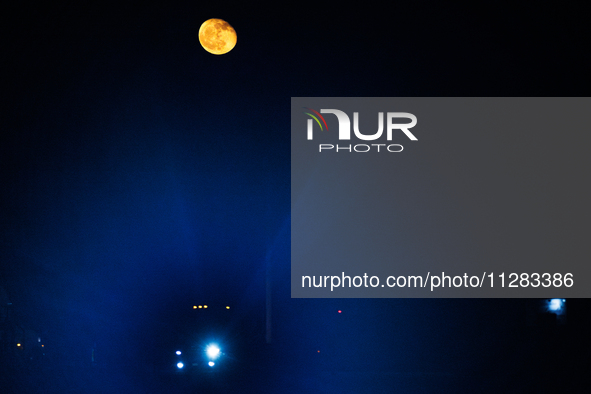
(178, 352)
(195, 307)
(180, 365)
(319, 351)
(205, 306)
(211, 363)
(42, 345)
(200, 307)
(340, 311)
(227, 307)
(18, 344)
(555, 304)
(212, 351)
(39, 339)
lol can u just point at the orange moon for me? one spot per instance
(217, 36)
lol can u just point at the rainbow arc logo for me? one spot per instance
(315, 118)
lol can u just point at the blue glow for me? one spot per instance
(211, 363)
(178, 352)
(555, 304)
(212, 351)
(180, 365)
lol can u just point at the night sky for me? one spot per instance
(142, 175)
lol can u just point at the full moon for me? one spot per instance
(217, 36)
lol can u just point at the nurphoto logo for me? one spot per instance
(344, 132)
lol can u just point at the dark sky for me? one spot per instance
(140, 173)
